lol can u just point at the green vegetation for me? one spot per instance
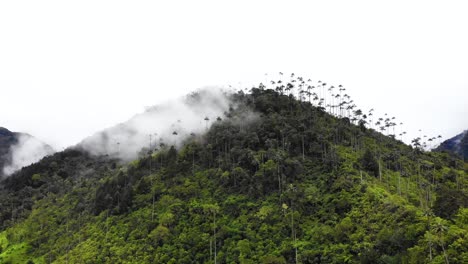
(276, 180)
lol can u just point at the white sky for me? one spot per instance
(69, 69)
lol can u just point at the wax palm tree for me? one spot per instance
(416, 142)
(324, 88)
(309, 93)
(261, 86)
(430, 142)
(338, 104)
(213, 209)
(370, 115)
(279, 88)
(288, 88)
(206, 122)
(320, 90)
(439, 137)
(341, 90)
(175, 136)
(440, 230)
(321, 102)
(281, 81)
(292, 194)
(301, 88)
(429, 237)
(330, 91)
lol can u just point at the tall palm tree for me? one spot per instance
(330, 90)
(288, 88)
(206, 122)
(440, 229)
(150, 152)
(370, 115)
(358, 114)
(175, 136)
(320, 90)
(338, 104)
(341, 90)
(324, 92)
(309, 93)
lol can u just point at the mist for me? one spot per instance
(169, 123)
(28, 150)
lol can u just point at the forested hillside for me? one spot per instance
(277, 179)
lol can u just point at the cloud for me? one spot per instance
(27, 151)
(183, 116)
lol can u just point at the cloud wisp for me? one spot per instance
(168, 123)
(26, 151)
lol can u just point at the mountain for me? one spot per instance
(457, 145)
(274, 179)
(18, 150)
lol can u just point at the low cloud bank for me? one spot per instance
(28, 150)
(169, 123)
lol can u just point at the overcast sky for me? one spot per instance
(71, 68)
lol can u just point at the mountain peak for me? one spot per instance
(5, 132)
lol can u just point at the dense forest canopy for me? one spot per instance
(289, 174)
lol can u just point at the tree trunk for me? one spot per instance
(303, 151)
(399, 184)
(445, 253)
(214, 236)
(152, 210)
(380, 171)
(430, 251)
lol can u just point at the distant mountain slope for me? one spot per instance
(458, 145)
(18, 150)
